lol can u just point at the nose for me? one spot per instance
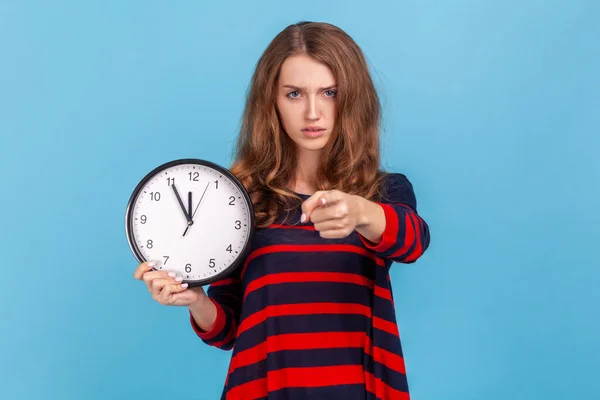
(312, 108)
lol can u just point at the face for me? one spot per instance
(306, 101)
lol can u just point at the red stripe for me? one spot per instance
(218, 325)
(251, 390)
(390, 233)
(223, 282)
(290, 277)
(341, 277)
(249, 356)
(389, 359)
(409, 237)
(230, 335)
(297, 341)
(382, 390)
(302, 309)
(383, 293)
(318, 340)
(304, 227)
(327, 340)
(389, 236)
(386, 326)
(281, 248)
(417, 227)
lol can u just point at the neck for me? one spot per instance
(306, 168)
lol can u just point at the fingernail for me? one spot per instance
(184, 285)
(323, 201)
(303, 217)
(179, 278)
(152, 263)
(172, 274)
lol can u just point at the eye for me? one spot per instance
(291, 95)
(330, 93)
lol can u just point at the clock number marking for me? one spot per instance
(155, 196)
(216, 184)
(229, 248)
(188, 268)
(231, 200)
(211, 263)
(143, 218)
(149, 244)
(238, 224)
(170, 181)
(195, 176)
(166, 259)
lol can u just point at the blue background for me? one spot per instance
(492, 109)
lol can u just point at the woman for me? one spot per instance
(310, 312)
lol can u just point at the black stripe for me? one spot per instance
(384, 309)
(271, 236)
(302, 324)
(307, 292)
(308, 261)
(387, 341)
(223, 334)
(318, 323)
(350, 392)
(319, 261)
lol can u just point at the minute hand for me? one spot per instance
(200, 202)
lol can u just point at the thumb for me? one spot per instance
(310, 204)
(189, 296)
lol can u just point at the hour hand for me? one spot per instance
(190, 204)
(187, 216)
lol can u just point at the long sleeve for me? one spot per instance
(406, 234)
(226, 296)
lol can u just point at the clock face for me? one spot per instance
(193, 218)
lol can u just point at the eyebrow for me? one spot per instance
(296, 87)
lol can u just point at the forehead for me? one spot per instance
(304, 71)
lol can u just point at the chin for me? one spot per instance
(312, 145)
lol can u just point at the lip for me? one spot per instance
(313, 131)
(313, 128)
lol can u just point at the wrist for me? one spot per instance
(370, 221)
(199, 304)
(204, 313)
(363, 207)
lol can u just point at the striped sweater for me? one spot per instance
(314, 318)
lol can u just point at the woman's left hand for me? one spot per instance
(335, 214)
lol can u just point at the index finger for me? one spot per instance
(320, 199)
(310, 204)
(142, 269)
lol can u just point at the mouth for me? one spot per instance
(313, 129)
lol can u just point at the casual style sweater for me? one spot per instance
(314, 318)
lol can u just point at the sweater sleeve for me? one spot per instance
(225, 294)
(406, 234)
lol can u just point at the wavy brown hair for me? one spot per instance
(265, 158)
